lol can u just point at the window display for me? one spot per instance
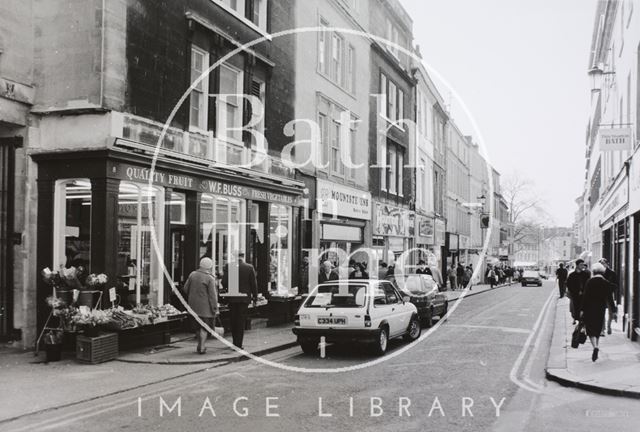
(140, 219)
(72, 224)
(222, 231)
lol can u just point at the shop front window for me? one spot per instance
(72, 224)
(280, 249)
(222, 233)
(140, 224)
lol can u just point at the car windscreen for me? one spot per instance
(412, 284)
(338, 295)
(530, 274)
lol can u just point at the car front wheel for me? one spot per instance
(382, 341)
(414, 330)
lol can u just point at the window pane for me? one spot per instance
(279, 247)
(392, 171)
(400, 173)
(400, 105)
(75, 225)
(384, 109)
(392, 101)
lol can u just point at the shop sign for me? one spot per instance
(439, 232)
(634, 183)
(394, 221)
(616, 198)
(615, 139)
(426, 232)
(335, 200)
(182, 181)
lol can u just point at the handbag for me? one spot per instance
(583, 333)
(575, 337)
(579, 335)
(218, 327)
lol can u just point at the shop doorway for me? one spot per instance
(178, 270)
(7, 172)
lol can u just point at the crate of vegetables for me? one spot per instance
(97, 349)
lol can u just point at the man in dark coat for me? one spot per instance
(561, 276)
(238, 305)
(327, 273)
(575, 287)
(202, 297)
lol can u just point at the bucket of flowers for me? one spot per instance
(95, 284)
(53, 344)
(90, 320)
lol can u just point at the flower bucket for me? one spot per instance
(88, 298)
(65, 295)
(53, 352)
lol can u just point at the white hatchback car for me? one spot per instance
(356, 311)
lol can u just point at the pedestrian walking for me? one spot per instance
(561, 276)
(491, 276)
(423, 268)
(452, 276)
(239, 305)
(468, 274)
(576, 281)
(201, 292)
(460, 275)
(597, 296)
(304, 276)
(359, 272)
(382, 270)
(612, 277)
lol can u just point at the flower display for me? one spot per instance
(52, 337)
(93, 318)
(71, 277)
(96, 280)
(55, 302)
(51, 278)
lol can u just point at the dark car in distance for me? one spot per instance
(530, 277)
(424, 294)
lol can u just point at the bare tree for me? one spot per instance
(526, 214)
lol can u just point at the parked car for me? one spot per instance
(371, 311)
(531, 277)
(423, 292)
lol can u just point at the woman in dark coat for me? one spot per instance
(202, 296)
(597, 296)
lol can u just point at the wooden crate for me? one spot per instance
(97, 349)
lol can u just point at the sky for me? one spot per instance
(520, 67)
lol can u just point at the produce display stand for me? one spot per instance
(157, 332)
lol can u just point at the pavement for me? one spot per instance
(617, 370)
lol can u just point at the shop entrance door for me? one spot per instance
(178, 271)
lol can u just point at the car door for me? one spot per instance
(396, 318)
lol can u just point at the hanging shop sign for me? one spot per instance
(394, 221)
(336, 200)
(615, 139)
(177, 180)
(426, 230)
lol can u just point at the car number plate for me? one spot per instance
(332, 320)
